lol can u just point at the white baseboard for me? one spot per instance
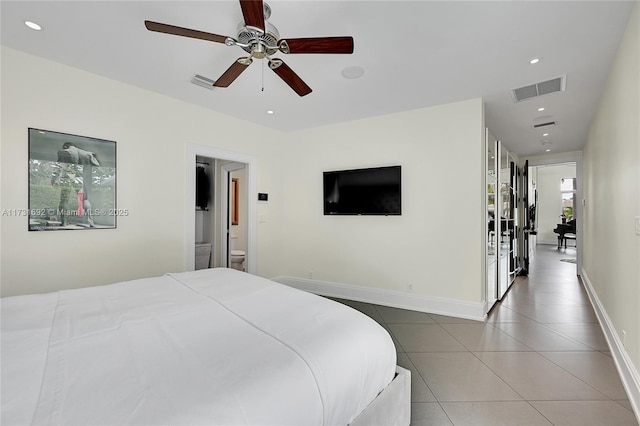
(395, 299)
(626, 369)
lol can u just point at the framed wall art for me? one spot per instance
(72, 182)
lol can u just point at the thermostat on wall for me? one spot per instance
(262, 196)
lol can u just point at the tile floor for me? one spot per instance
(540, 359)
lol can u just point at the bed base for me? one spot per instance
(392, 406)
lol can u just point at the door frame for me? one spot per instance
(563, 158)
(225, 208)
(251, 162)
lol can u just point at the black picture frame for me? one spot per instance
(72, 182)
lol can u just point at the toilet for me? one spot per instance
(203, 255)
(236, 257)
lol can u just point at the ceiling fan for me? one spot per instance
(261, 40)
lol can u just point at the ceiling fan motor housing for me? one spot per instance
(259, 44)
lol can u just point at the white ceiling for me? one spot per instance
(414, 53)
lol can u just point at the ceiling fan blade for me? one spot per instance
(289, 77)
(184, 32)
(317, 45)
(253, 12)
(233, 72)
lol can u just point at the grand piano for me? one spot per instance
(565, 231)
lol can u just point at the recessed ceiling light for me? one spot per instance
(33, 25)
(353, 72)
(541, 109)
(534, 61)
(270, 111)
(548, 149)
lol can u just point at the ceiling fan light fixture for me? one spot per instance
(258, 51)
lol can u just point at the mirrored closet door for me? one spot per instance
(492, 238)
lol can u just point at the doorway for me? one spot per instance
(233, 217)
(217, 229)
(557, 201)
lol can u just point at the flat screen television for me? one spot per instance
(373, 191)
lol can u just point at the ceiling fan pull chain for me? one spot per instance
(263, 76)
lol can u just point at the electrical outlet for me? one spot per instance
(310, 275)
(410, 287)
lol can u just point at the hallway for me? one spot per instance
(540, 358)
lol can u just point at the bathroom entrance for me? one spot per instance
(220, 214)
(234, 214)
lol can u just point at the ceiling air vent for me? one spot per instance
(548, 123)
(202, 81)
(544, 121)
(539, 89)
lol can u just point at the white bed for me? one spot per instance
(211, 347)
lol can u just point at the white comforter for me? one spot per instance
(212, 347)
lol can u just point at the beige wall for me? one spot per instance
(436, 245)
(151, 132)
(612, 194)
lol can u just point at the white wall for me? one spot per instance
(612, 199)
(549, 206)
(151, 132)
(437, 244)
